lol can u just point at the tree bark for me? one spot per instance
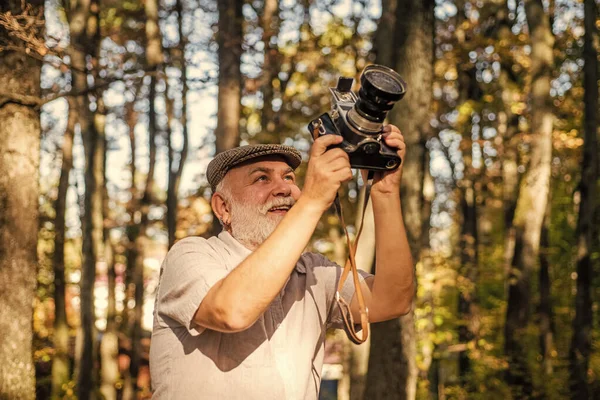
(19, 192)
(392, 365)
(270, 27)
(138, 242)
(545, 313)
(531, 204)
(469, 91)
(229, 39)
(427, 275)
(137, 234)
(131, 253)
(141, 239)
(386, 54)
(83, 26)
(154, 50)
(508, 128)
(365, 260)
(467, 304)
(109, 346)
(176, 169)
(587, 232)
(131, 118)
(60, 361)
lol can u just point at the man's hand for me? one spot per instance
(388, 182)
(327, 169)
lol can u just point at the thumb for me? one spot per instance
(323, 142)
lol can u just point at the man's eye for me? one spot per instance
(261, 178)
(289, 178)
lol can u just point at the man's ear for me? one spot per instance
(221, 208)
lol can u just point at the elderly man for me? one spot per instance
(243, 315)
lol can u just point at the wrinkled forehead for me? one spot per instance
(272, 162)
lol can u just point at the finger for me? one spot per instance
(396, 143)
(393, 139)
(321, 144)
(333, 154)
(344, 174)
(347, 175)
(390, 129)
(338, 164)
(393, 134)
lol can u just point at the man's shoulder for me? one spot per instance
(189, 242)
(192, 244)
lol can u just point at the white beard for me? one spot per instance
(251, 225)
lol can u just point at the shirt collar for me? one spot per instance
(239, 252)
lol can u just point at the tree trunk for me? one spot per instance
(19, 192)
(229, 39)
(469, 91)
(60, 361)
(365, 260)
(109, 346)
(392, 365)
(141, 239)
(83, 20)
(85, 365)
(508, 129)
(385, 53)
(467, 305)
(545, 313)
(270, 68)
(427, 275)
(176, 170)
(137, 234)
(531, 204)
(132, 232)
(154, 50)
(587, 232)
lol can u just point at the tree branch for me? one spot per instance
(8, 97)
(26, 28)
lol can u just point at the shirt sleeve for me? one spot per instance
(190, 269)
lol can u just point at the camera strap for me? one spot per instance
(349, 324)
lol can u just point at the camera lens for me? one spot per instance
(383, 82)
(381, 88)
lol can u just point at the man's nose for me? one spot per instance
(282, 188)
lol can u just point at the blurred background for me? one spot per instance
(111, 111)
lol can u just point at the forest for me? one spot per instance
(111, 110)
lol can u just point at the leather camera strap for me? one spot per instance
(344, 307)
(351, 266)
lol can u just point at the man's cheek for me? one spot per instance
(296, 192)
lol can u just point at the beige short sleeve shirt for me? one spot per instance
(279, 357)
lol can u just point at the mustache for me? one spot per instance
(278, 202)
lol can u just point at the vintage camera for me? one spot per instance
(359, 119)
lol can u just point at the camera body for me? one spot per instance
(359, 118)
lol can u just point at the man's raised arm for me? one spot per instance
(391, 290)
(237, 301)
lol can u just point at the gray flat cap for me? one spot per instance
(228, 159)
